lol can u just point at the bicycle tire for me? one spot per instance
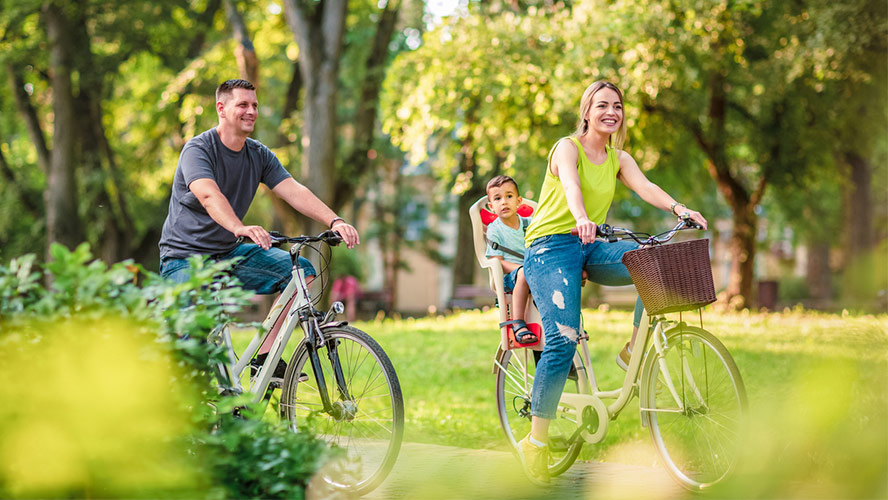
(699, 442)
(514, 382)
(372, 427)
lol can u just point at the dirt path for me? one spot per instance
(427, 471)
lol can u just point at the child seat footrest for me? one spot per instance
(534, 328)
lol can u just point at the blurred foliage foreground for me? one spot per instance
(104, 397)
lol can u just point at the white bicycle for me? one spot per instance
(339, 383)
(691, 395)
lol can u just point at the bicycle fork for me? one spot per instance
(687, 378)
(345, 408)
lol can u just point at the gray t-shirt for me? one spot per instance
(188, 228)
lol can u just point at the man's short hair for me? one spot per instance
(498, 181)
(226, 88)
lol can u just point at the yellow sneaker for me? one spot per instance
(623, 358)
(535, 460)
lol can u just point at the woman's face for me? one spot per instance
(606, 113)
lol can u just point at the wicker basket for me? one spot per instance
(671, 278)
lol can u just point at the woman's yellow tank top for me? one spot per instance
(597, 183)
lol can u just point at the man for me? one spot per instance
(216, 179)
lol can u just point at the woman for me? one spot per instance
(577, 192)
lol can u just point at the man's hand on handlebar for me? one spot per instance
(348, 233)
(257, 234)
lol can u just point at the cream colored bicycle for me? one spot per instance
(691, 395)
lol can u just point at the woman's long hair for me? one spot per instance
(586, 104)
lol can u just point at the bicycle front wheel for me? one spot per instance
(695, 403)
(366, 420)
(515, 371)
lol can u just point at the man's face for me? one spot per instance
(504, 200)
(238, 112)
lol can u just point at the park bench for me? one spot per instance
(471, 297)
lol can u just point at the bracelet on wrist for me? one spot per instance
(335, 220)
(672, 207)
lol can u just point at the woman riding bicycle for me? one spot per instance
(577, 192)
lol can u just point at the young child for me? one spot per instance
(505, 241)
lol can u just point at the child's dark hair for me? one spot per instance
(499, 180)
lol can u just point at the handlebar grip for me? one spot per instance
(331, 237)
(602, 230)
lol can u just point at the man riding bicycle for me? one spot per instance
(215, 182)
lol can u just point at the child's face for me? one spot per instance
(504, 200)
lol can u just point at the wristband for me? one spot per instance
(335, 220)
(672, 207)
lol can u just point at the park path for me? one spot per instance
(429, 472)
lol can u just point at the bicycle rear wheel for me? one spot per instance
(368, 426)
(514, 381)
(695, 406)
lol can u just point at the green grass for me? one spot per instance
(816, 385)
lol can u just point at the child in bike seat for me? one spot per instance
(505, 241)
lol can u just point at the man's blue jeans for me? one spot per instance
(553, 267)
(263, 271)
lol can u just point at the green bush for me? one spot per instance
(113, 388)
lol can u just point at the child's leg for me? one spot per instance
(520, 296)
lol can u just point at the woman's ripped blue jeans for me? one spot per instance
(553, 267)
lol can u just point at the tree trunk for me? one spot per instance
(859, 281)
(738, 293)
(29, 115)
(245, 53)
(359, 160)
(818, 273)
(318, 29)
(385, 208)
(463, 271)
(291, 103)
(464, 260)
(108, 208)
(858, 206)
(742, 247)
(62, 222)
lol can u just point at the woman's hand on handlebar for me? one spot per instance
(586, 230)
(348, 233)
(696, 217)
(257, 234)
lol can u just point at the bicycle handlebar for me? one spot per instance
(613, 234)
(329, 237)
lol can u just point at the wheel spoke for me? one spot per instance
(369, 425)
(700, 440)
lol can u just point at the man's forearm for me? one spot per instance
(220, 211)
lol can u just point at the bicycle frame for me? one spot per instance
(591, 396)
(295, 302)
